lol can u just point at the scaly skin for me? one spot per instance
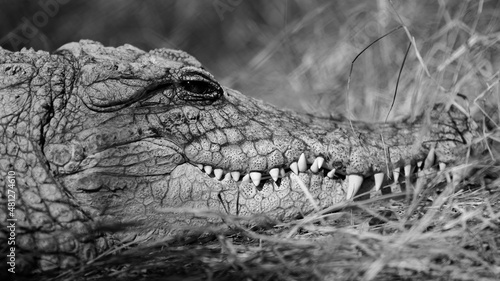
(97, 135)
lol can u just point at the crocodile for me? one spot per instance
(93, 135)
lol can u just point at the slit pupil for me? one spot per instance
(197, 87)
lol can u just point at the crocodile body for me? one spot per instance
(95, 134)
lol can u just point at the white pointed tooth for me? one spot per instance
(208, 169)
(407, 170)
(317, 164)
(314, 167)
(419, 165)
(200, 166)
(255, 176)
(429, 160)
(321, 161)
(331, 173)
(235, 175)
(395, 173)
(218, 173)
(442, 166)
(246, 179)
(227, 176)
(355, 182)
(302, 163)
(295, 168)
(282, 172)
(379, 178)
(275, 173)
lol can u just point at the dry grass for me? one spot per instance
(454, 238)
(451, 236)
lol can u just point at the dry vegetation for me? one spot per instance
(441, 235)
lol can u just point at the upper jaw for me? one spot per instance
(276, 141)
(244, 135)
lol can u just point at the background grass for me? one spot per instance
(298, 54)
(290, 53)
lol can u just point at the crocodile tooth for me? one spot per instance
(317, 164)
(442, 166)
(227, 176)
(321, 161)
(407, 170)
(246, 179)
(429, 160)
(255, 176)
(295, 168)
(200, 166)
(302, 163)
(379, 178)
(355, 182)
(395, 173)
(208, 170)
(314, 167)
(235, 175)
(218, 173)
(419, 165)
(282, 172)
(331, 173)
(275, 173)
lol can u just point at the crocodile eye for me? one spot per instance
(198, 87)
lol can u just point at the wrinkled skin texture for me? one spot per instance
(98, 134)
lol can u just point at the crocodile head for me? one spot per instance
(158, 125)
(119, 134)
(127, 98)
